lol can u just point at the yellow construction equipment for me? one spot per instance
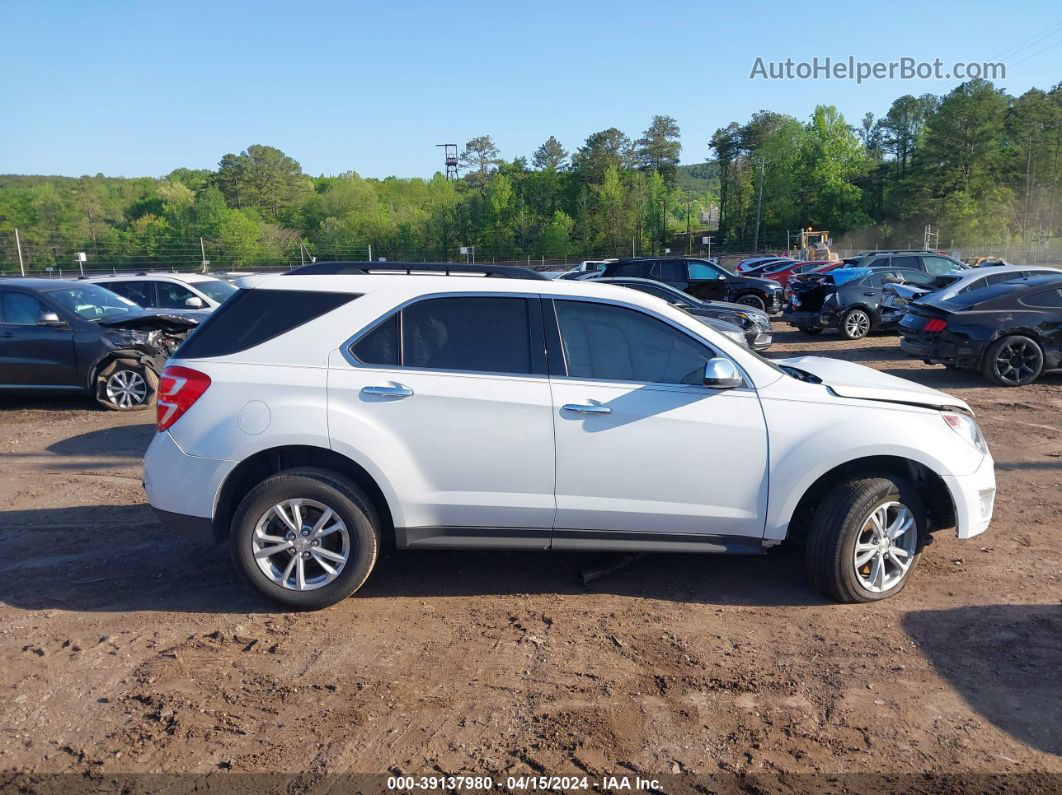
(812, 245)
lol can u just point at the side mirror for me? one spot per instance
(49, 319)
(720, 373)
(194, 302)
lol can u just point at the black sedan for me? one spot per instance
(75, 337)
(755, 324)
(848, 299)
(1010, 331)
(701, 278)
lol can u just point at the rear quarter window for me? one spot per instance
(251, 317)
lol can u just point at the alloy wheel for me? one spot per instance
(856, 324)
(126, 388)
(885, 547)
(301, 544)
(752, 300)
(1017, 361)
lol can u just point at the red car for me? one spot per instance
(781, 273)
(813, 266)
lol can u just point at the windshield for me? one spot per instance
(93, 302)
(216, 290)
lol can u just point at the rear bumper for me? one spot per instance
(941, 350)
(195, 528)
(819, 319)
(181, 488)
(974, 499)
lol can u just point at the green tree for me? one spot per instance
(551, 156)
(659, 148)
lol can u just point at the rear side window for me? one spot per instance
(142, 293)
(940, 265)
(252, 317)
(626, 269)
(670, 271)
(486, 335)
(1050, 299)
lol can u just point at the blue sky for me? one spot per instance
(136, 89)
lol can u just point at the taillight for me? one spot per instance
(935, 324)
(179, 388)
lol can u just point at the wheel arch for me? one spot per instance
(257, 467)
(931, 487)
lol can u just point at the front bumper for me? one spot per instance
(759, 340)
(974, 499)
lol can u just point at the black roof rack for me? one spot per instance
(446, 268)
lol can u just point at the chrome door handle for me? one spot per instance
(591, 408)
(388, 390)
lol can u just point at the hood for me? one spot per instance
(766, 284)
(152, 322)
(849, 380)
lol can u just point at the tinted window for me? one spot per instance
(252, 317)
(1049, 299)
(626, 269)
(909, 263)
(489, 335)
(379, 346)
(173, 296)
(670, 271)
(21, 309)
(915, 277)
(142, 293)
(879, 262)
(940, 265)
(618, 344)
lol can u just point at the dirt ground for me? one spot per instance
(126, 650)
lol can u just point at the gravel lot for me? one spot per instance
(126, 650)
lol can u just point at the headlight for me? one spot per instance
(967, 429)
(743, 319)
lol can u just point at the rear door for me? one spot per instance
(450, 398)
(705, 281)
(643, 447)
(32, 354)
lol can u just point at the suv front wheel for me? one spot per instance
(307, 538)
(866, 538)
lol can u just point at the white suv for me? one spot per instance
(174, 291)
(322, 413)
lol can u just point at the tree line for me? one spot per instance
(980, 166)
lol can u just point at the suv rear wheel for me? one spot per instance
(866, 538)
(305, 537)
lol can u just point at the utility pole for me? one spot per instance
(18, 245)
(370, 252)
(759, 204)
(689, 229)
(202, 251)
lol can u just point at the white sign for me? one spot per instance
(464, 249)
(80, 256)
(706, 240)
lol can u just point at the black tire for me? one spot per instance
(348, 502)
(839, 523)
(126, 385)
(751, 299)
(811, 330)
(855, 324)
(1022, 366)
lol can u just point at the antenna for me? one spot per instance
(450, 151)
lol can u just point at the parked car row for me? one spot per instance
(107, 337)
(1004, 321)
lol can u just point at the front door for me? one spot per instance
(451, 399)
(642, 445)
(33, 354)
(705, 281)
